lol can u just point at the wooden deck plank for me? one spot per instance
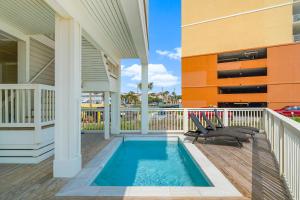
(252, 169)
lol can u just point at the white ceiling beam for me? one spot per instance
(137, 22)
(91, 31)
(14, 32)
(44, 40)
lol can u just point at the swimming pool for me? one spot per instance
(151, 163)
(148, 166)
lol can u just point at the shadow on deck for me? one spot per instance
(252, 169)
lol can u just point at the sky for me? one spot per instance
(164, 50)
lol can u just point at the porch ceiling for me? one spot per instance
(110, 18)
(114, 27)
(30, 17)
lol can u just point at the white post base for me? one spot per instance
(66, 168)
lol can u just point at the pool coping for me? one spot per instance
(80, 184)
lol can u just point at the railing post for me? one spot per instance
(37, 102)
(281, 149)
(225, 117)
(265, 120)
(185, 120)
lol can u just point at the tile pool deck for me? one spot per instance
(251, 169)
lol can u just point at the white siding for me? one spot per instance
(93, 68)
(40, 55)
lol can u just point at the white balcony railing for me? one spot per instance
(173, 120)
(26, 105)
(92, 119)
(284, 136)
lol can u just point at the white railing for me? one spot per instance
(173, 120)
(26, 105)
(284, 136)
(130, 120)
(92, 119)
(252, 117)
(166, 120)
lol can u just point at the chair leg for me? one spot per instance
(196, 139)
(239, 142)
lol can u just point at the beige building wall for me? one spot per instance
(259, 29)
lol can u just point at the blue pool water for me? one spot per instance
(151, 163)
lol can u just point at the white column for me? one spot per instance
(115, 112)
(67, 160)
(106, 115)
(144, 107)
(23, 61)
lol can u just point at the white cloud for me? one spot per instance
(157, 73)
(174, 55)
(132, 85)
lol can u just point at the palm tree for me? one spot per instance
(174, 96)
(132, 98)
(165, 95)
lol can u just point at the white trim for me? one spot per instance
(137, 24)
(240, 13)
(23, 61)
(26, 160)
(44, 40)
(7, 28)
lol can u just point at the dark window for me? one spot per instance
(242, 104)
(242, 73)
(242, 55)
(243, 89)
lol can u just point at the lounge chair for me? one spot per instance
(221, 125)
(202, 132)
(211, 126)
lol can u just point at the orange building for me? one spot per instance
(231, 59)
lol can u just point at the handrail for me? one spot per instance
(26, 105)
(284, 136)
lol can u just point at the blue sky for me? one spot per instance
(164, 52)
